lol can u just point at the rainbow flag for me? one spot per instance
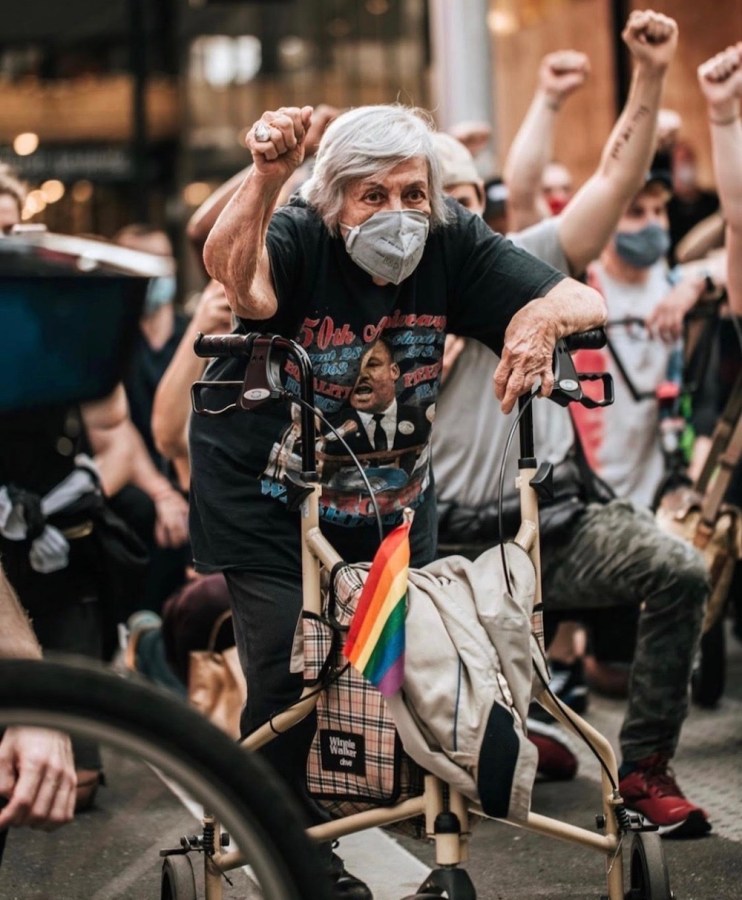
(375, 644)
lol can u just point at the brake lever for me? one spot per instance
(608, 395)
(567, 381)
(199, 387)
(262, 375)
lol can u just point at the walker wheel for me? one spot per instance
(649, 878)
(178, 880)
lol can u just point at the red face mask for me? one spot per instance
(556, 204)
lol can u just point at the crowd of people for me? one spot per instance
(366, 235)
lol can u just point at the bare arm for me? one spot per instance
(202, 221)
(560, 74)
(122, 458)
(533, 331)
(590, 217)
(235, 253)
(17, 639)
(721, 82)
(37, 772)
(172, 404)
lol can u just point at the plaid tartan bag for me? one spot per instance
(356, 761)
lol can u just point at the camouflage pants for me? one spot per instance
(616, 556)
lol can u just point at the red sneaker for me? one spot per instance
(652, 791)
(556, 759)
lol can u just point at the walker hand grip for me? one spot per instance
(594, 339)
(211, 345)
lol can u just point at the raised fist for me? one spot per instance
(721, 76)
(651, 37)
(562, 72)
(276, 140)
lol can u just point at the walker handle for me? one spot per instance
(594, 339)
(211, 345)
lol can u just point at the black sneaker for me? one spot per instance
(568, 684)
(344, 885)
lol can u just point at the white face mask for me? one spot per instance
(388, 245)
(160, 290)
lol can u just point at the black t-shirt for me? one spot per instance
(146, 367)
(470, 282)
(684, 214)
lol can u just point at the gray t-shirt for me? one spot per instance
(469, 439)
(621, 441)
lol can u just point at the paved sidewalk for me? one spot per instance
(112, 852)
(510, 864)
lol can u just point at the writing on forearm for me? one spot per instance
(626, 134)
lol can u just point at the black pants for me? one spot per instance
(266, 609)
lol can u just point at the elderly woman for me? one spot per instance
(371, 249)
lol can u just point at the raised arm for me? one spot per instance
(171, 408)
(235, 253)
(559, 75)
(203, 219)
(721, 82)
(591, 216)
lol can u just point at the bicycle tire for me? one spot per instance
(236, 786)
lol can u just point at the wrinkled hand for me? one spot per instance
(213, 315)
(720, 77)
(280, 151)
(473, 135)
(452, 349)
(171, 519)
(562, 73)
(651, 37)
(37, 775)
(666, 319)
(527, 354)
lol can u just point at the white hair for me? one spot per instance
(368, 141)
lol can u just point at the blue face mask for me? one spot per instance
(159, 292)
(642, 249)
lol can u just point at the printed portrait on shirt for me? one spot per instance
(383, 416)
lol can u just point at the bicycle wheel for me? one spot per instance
(157, 752)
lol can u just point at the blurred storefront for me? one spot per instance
(135, 109)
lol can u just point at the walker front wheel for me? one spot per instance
(178, 880)
(649, 878)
